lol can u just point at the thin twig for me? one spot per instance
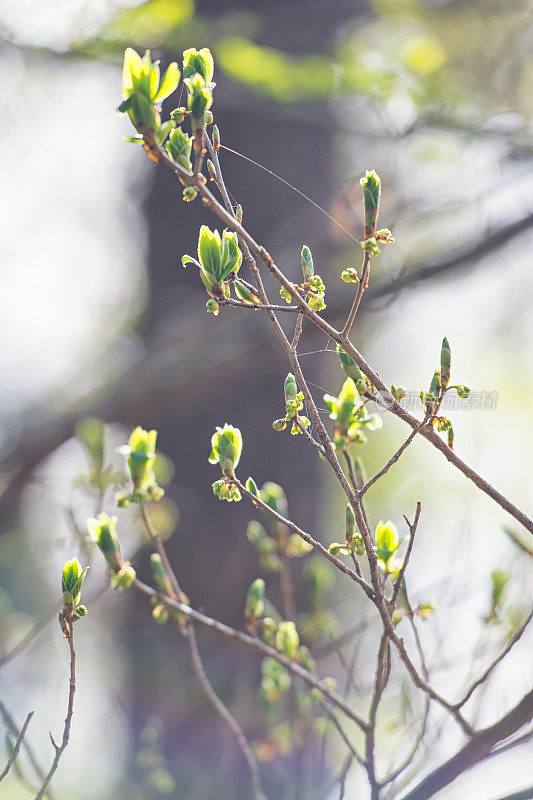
(392, 460)
(196, 660)
(16, 748)
(309, 539)
(363, 283)
(412, 530)
(342, 733)
(483, 677)
(226, 715)
(10, 724)
(229, 301)
(252, 643)
(60, 749)
(342, 339)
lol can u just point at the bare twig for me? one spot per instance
(477, 749)
(309, 539)
(196, 660)
(483, 677)
(342, 733)
(392, 460)
(252, 643)
(363, 283)
(16, 748)
(226, 715)
(60, 749)
(412, 530)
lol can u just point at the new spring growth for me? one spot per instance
(294, 402)
(287, 639)
(251, 487)
(350, 416)
(178, 147)
(218, 256)
(352, 370)
(226, 448)
(371, 184)
(143, 90)
(438, 388)
(160, 575)
(140, 458)
(198, 68)
(387, 543)
(255, 601)
(312, 288)
(72, 579)
(498, 586)
(244, 292)
(275, 680)
(103, 532)
(353, 542)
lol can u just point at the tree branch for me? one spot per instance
(478, 748)
(16, 748)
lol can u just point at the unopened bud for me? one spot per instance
(287, 639)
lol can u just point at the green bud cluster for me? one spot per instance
(498, 589)
(294, 402)
(387, 543)
(224, 489)
(72, 578)
(352, 370)
(438, 388)
(371, 185)
(140, 459)
(287, 639)
(398, 392)
(178, 147)
(349, 275)
(348, 411)
(275, 542)
(123, 578)
(143, 90)
(275, 680)
(103, 532)
(159, 572)
(212, 307)
(218, 257)
(312, 288)
(226, 449)
(198, 69)
(255, 601)
(353, 541)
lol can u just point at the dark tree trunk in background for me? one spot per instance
(212, 556)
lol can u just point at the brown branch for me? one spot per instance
(483, 677)
(229, 301)
(382, 674)
(226, 715)
(17, 746)
(309, 539)
(392, 460)
(60, 749)
(412, 530)
(197, 663)
(252, 643)
(477, 749)
(396, 408)
(342, 733)
(363, 283)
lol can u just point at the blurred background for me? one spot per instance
(100, 320)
